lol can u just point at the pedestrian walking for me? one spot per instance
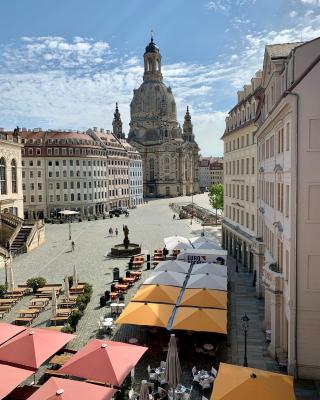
(116, 231)
(174, 216)
(110, 232)
(165, 252)
(73, 246)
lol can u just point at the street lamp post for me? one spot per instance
(69, 228)
(202, 233)
(6, 271)
(245, 326)
(237, 249)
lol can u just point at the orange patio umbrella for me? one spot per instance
(200, 320)
(148, 314)
(33, 346)
(234, 382)
(11, 377)
(7, 331)
(104, 361)
(66, 389)
(204, 298)
(157, 294)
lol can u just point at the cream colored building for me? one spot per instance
(63, 170)
(288, 143)
(169, 153)
(11, 197)
(239, 226)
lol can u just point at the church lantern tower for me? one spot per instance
(152, 63)
(117, 124)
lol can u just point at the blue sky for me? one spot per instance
(64, 63)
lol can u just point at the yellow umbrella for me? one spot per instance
(157, 294)
(234, 382)
(204, 298)
(200, 320)
(150, 314)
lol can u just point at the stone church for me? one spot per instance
(169, 153)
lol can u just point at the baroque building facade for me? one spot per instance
(239, 227)
(63, 170)
(288, 202)
(169, 153)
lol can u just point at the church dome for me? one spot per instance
(155, 98)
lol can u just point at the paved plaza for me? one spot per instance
(148, 225)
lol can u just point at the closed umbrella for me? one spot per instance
(173, 368)
(75, 277)
(54, 303)
(144, 391)
(10, 279)
(66, 288)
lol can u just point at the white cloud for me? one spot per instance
(311, 2)
(224, 6)
(293, 14)
(55, 83)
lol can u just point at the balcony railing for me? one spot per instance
(273, 278)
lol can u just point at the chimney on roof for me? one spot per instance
(95, 129)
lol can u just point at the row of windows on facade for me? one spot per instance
(118, 172)
(240, 192)
(63, 151)
(275, 247)
(73, 197)
(267, 195)
(135, 182)
(137, 165)
(68, 185)
(115, 182)
(118, 192)
(239, 143)
(85, 163)
(240, 167)
(240, 217)
(240, 116)
(267, 148)
(136, 191)
(64, 174)
(4, 174)
(136, 173)
(59, 141)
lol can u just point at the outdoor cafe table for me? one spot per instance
(136, 274)
(117, 306)
(7, 301)
(64, 311)
(67, 304)
(43, 301)
(60, 359)
(208, 346)
(121, 287)
(30, 311)
(130, 281)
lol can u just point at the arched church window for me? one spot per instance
(166, 133)
(166, 165)
(149, 65)
(3, 178)
(14, 176)
(158, 65)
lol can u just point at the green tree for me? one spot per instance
(36, 283)
(216, 198)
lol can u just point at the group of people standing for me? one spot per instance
(111, 231)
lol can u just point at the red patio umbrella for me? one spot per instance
(7, 331)
(11, 377)
(33, 346)
(66, 389)
(104, 361)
